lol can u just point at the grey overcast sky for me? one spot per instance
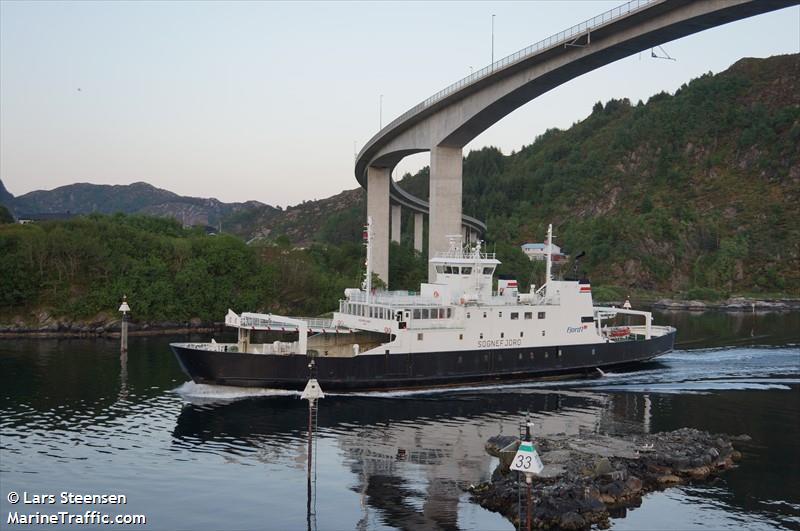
(265, 100)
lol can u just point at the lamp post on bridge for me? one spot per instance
(492, 41)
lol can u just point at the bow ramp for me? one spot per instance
(279, 323)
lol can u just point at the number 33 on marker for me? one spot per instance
(527, 459)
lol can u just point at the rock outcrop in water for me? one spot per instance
(590, 478)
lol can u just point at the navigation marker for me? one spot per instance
(527, 459)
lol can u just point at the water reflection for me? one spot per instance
(410, 457)
(78, 414)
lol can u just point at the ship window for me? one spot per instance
(467, 315)
(449, 313)
(442, 313)
(481, 336)
(588, 319)
(541, 315)
(542, 333)
(502, 335)
(426, 314)
(419, 337)
(521, 334)
(460, 336)
(499, 314)
(466, 270)
(440, 269)
(449, 270)
(488, 270)
(417, 314)
(484, 315)
(514, 316)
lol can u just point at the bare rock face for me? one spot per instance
(587, 479)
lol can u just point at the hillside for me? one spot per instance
(67, 274)
(692, 191)
(141, 198)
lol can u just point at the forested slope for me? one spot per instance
(693, 191)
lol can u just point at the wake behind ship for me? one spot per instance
(456, 330)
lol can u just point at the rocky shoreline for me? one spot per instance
(590, 478)
(101, 326)
(734, 304)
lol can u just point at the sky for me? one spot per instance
(268, 101)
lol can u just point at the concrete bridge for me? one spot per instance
(444, 123)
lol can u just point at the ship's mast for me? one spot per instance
(549, 254)
(368, 263)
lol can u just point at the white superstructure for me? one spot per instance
(462, 311)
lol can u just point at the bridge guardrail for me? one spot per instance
(561, 37)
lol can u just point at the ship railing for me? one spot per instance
(463, 255)
(267, 323)
(606, 312)
(388, 298)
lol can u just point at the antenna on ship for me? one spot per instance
(312, 393)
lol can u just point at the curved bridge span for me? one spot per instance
(445, 122)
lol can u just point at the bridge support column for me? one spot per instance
(396, 223)
(378, 210)
(418, 227)
(445, 200)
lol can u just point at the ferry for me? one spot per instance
(457, 330)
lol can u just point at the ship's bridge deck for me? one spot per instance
(386, 304)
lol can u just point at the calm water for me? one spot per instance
(76, 417)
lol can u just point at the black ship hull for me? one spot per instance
(413, 370)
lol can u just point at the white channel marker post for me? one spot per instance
(312, 393)
(527, 461)
(123, 336)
